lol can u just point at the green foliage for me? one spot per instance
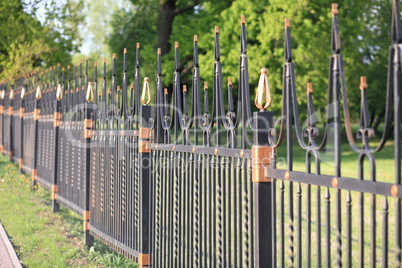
(27, 42)
(364, 28)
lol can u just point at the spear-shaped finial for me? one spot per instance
(22, 92)
(146, 92)
(38, 94)
(90, 93)
(59, 92)
(263, 97)
(309, 88)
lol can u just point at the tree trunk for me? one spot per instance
(166, 17)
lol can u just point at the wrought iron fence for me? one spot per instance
(179, 185)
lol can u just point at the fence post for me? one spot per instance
(145, 191)
(10, 113)
(261, 157)
(2, 120)
(56, 125)
(36, 115)
(22, 128)
(89, 239)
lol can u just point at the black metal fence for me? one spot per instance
(179, 185)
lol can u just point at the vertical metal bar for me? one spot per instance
(385, 233)
(348, 229)
(145, 193)
(261, 157)
(56, 126)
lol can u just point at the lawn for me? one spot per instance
(42, 238)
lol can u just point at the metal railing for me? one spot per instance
(175, 184)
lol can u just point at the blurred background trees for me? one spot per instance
(42, 33)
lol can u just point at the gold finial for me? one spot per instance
(12, 94)
(146, 92)
(334, 9)
(104, 60)
(216, 29)
(363, 83)
(114, 55)
(205, 85)
(58, 64)
(242, 19)
(68, 66)
(138, 45)
(309, 88)
(22, 92)
(59, 92)
(90, 93)
(125, 50)
(165, 91)
(118, 88)
(287, 23)
(159, 51)
(131, 86)
(263, 96)
(86, 58)
(184, 88)
(38, 94)
(229, 81)
(195, 38)
(109, 91)
(95, 64)
(176, 44)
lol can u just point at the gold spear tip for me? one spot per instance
(146, 79)
(125, 51)
(118, 88)
(114, 55)
(132, 86)
(184, 88)
(90, 94)
(109, 91)
(86, 58)
(334, 9)
(287, 23)
(216, 29)
(68, 66)
(165, 91)
(263, 70)
(309, 88)
(95, 64)
(176, 44)
(104, 60)
(59, 92)
(62, 69)
(205, 85)
(229, 81)
(58, 64)
(38, 94)
(242, 19)
(363, 83)
(159, 51)
(138, 45)
(195, 38)
(80, 61)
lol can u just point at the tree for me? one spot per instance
(27, 42)
(364, 28)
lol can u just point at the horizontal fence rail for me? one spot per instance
(186, 182)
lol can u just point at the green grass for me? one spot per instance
(42, 238)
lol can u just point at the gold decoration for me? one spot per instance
(263, 96)
(146, 92)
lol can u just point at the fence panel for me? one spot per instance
(28, 135)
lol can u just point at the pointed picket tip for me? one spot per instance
(263, 97)
(90, 93)
(22, 92)
(309, 88)
(12, 94)
(334, 9)
(287, 23)
(59, 92)
(146, 92)
(363, 83)
(38, 94)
